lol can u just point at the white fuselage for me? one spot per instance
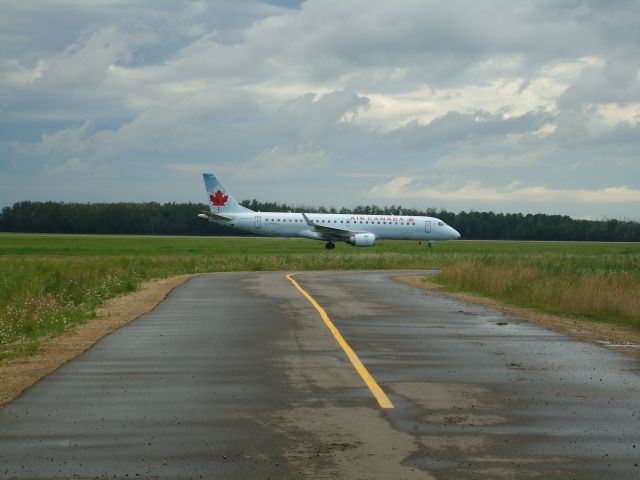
(393, 227)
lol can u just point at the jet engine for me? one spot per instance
(363, 240)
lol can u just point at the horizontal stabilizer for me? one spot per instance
(214, 216)
(218, 216)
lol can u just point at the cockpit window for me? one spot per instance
(440, 224)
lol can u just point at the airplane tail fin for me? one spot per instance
(220, 200)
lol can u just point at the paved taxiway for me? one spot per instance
(235, 375)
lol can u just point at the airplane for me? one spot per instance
(354, 229)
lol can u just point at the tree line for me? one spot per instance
(181, 219)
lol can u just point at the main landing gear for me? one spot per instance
(330, 246)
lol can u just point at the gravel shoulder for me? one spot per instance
(20, 373)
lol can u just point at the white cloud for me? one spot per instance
(69, 166)
(457, 162)
(66, 142)
(399, 188)
(191, 169)
(283, 163)
(85, 64)
(16, 75)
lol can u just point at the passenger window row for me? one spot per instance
(342, 221)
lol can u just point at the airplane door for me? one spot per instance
(427, 226)
(256, 223)
(348, 222)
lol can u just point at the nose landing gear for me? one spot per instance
(330, 246)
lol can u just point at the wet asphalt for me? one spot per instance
(234, 375)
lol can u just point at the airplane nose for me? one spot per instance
(455, 233)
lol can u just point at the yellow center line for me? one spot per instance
(381, 397)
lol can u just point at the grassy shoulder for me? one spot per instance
(603, 289)
(49, 283)
(53, 351)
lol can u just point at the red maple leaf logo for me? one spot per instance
(219, 199)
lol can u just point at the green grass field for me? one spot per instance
(49, 282)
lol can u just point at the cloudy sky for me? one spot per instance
(510, 106)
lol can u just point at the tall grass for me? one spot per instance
(565, 287)
(45, 296)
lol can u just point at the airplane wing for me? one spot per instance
(330, 233)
